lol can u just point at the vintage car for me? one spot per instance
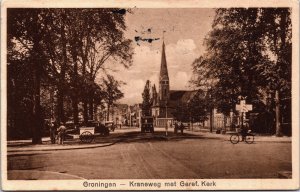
(111, 125)
(99, 128)
(147, 124)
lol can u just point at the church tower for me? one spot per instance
(164, 87)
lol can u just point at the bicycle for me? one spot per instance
(235, 138)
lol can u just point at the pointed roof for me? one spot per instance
(163, 66)
(154, 89)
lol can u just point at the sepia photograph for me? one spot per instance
(149, 97)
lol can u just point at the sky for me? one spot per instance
(185, 30)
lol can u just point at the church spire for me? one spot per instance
(163, 67)
(164, 87)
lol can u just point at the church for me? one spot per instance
(165, 100)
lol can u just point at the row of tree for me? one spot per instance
(62, 50)
(194, 110)
(248, 55)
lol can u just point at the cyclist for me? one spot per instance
(244, 130)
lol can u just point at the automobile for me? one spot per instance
(147, 124)
(111, 125)
(99, 127)
(72, 128)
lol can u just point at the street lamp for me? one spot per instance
(166, 111)
(166, 118)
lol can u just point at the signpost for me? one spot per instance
(243, 108)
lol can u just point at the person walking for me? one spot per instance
(181, 128)
(167, 127)
(52, 130)
(176, 127)
(61, 133)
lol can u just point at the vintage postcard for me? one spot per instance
(150, 95)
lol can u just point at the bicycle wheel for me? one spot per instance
(249, 139)
(234, 139)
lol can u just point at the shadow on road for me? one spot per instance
(27, 154)
(158, 136)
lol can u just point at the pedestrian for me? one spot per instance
(52, 129)
(176, 127)
(181, 128)
(61, 133)
(167, 127)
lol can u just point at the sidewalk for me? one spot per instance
(258, 138)
(75, 143)
(44, 139)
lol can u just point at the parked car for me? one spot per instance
(99, 128)
(111, 125)
(71, 127)
(147, 124)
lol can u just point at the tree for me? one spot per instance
(240, 52)
(195, 109)
(61, 48)
(181, 112)
(198, 107)
(112, 92)
(277, 34)
(146, 105)
(100, 42)
(25, 28)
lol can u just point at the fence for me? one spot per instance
(161, 122)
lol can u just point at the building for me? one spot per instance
(117, 113)
(165, 100)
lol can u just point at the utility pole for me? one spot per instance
(211, 118)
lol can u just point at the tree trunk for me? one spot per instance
(75, 87)
(37, 70)
(85, 111)
(107, 116)
(91, 108)
(75, 109)
(60, 104)
(38, 121)
(61, 85)
(211, 120)
(277, 111)
(95, 112)
(84, 62)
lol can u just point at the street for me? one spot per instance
(191, 156)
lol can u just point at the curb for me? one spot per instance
(67, 148)
(73, 147)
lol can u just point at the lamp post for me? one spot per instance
(166, 119)
(166, 112)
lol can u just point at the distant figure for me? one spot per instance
(167, 127)
(181, 128)
(52, 130)
(61, 133)
(176, 127)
